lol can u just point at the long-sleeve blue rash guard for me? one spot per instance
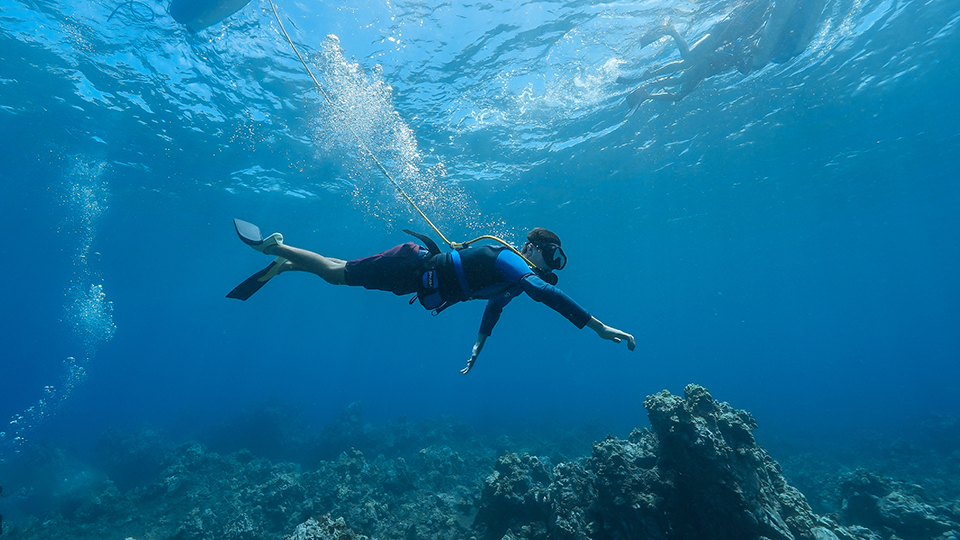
(498, 275)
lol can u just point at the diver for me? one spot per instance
(754, 34)
(728, 44)
(439, 280)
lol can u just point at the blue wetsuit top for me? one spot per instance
(497, 275)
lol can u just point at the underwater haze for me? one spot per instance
(787, 237)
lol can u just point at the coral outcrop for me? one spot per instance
(896, 509)
(325, 528)
(697, 473)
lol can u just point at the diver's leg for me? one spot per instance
(660, 72)
(644, 91)
(654, 34)
(637, 97)
(666, 69)
(665, 29)
(707, 42)
(679, 41)
(663, 95)
(692, 78)
(302, 260)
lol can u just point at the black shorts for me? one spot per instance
(398, 270)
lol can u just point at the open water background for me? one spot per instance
(789, 239)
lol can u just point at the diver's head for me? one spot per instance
(545, 245)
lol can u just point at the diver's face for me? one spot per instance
(532, 252)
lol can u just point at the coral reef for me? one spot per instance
(326, 528)
(896, 509)
(205, 495)
(698, 472)
(130, 459)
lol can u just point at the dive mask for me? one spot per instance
(553, 255)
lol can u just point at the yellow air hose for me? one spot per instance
(386, 173)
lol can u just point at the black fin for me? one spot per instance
(250, 285)
(248, 232)
(431, 245)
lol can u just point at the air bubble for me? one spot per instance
(89, 315)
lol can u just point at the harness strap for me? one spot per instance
(458, 268)
(436, 311)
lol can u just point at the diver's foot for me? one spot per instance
(273, 270)
(269, 244)
(656, 33)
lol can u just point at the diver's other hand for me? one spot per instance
(617, 336)
(472, 360)
(611, 333)
(477, 347)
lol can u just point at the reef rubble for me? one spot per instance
(696, 473)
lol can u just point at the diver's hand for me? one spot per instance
(611, 333)
(477, 347)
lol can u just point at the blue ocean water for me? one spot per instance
(787, 238)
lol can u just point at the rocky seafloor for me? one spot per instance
(696, 473)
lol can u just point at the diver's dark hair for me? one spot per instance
(542, 236)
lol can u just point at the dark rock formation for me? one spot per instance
(896, 509)
(698, 474)
(131, 458)
(515, 494)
